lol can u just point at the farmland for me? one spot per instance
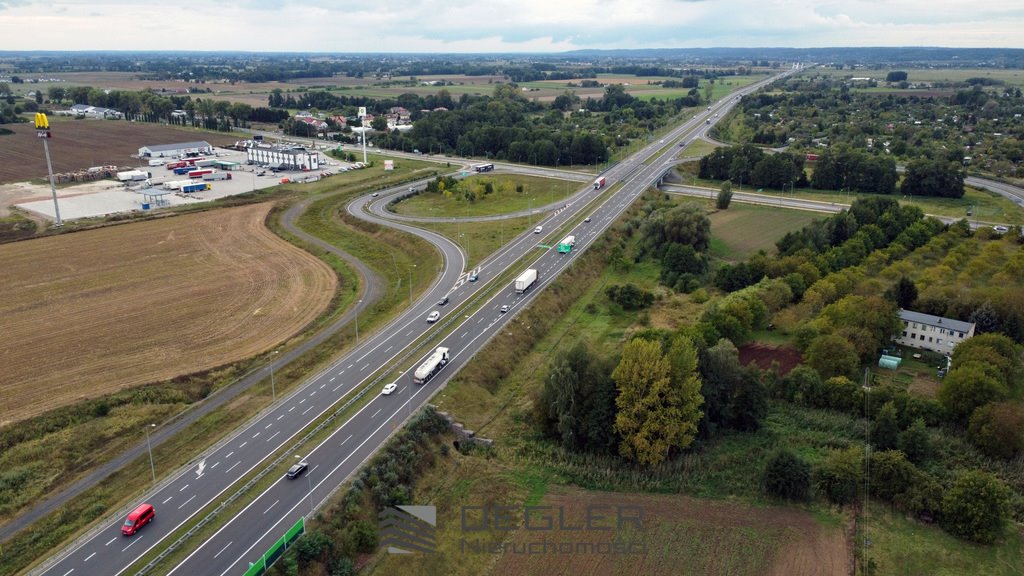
(79, 144)
(90, 313)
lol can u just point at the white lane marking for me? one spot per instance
(255, 435)
(183, 488)
(349, 366)
(232, 466)
(214, 465)
(268, 509)
(389, 348)
(134, 541)
(340, 373)
(186, 502)
(464, 334)
(342, 444)
(336, 387)
(301, 401)
(224, 548)
(272, 437)
(68, 572)
(322, 385)
(409, 333)
(365, 367)
(88, 557)
(115, 538)
(332, 378)
(307, 410)
(311, 393)
(281, 416)
(377, 412)
(268, 425)
(243, 444)
(292, 408)
(368, 352)
(229, 454)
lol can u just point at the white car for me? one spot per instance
(504, 308)
(389, 388)
(1001, 229)
(433, 316)
(538, 229)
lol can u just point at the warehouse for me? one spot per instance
(284, 157)
(180, 150)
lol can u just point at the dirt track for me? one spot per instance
(89, 313)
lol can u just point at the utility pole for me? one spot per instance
(43, 132)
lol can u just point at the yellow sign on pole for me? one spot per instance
(42, 123)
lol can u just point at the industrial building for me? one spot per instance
(180, 150)
(284, 157)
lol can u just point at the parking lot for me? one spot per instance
(110, 197)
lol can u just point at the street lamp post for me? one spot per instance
(357, 321)
(273, 387)
(149, 447)
(410, 284)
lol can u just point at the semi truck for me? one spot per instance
(132, 176)
(181, 170)
(565, 246)
(205, 163)
(199, 173)
(196, 187)
(217, 176)
(431, 366)
(525, 280)
(599, 183)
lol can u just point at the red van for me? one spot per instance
(138, 518)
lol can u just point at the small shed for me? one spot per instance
(890, 362)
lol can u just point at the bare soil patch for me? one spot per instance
(679, 535)
(763, 355)
(89, 313)
(80, 144)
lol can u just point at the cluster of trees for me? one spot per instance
(845, 168)
(750, 164)
(664, 391)
(933, 178)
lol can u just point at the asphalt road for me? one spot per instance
(247, 535)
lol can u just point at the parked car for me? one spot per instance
(1001, 229)
(297, 469)
(389, 388)
(433, 316)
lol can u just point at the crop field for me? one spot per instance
(677, 535)
(90, 313)
(80, 144)
(1011, 77)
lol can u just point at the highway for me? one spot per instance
(335, 458)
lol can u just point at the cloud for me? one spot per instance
(503, 25)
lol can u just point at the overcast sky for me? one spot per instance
(503, 25)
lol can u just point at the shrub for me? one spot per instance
(787, 476)
(839, 478)
(976, 507)
(998, 429)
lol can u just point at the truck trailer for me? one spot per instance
(217, 176)
(176, 184)
(525, 280)
(195, 187)
(599, 183)
(199, 173)
(565, 246)
(132, 176)
(431, 366)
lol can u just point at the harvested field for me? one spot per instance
(92, 312)
(763, 356)
(80, 144)
(679, 535)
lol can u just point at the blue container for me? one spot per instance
(145, 206)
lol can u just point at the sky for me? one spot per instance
(481, 26)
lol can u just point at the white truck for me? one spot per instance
(431, 366)
(176, 184)
(525, 280)
(132, 176)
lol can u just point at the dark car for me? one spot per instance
(297, 469)
(442, 301)
(473, 277)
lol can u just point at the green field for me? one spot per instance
(536, 191)
(1009, 77)
(743, 229)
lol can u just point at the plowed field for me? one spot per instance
(89, 313)
(80, 144)
(678, 535)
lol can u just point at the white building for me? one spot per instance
(179, 150)
(935, 333)
(284, 157)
